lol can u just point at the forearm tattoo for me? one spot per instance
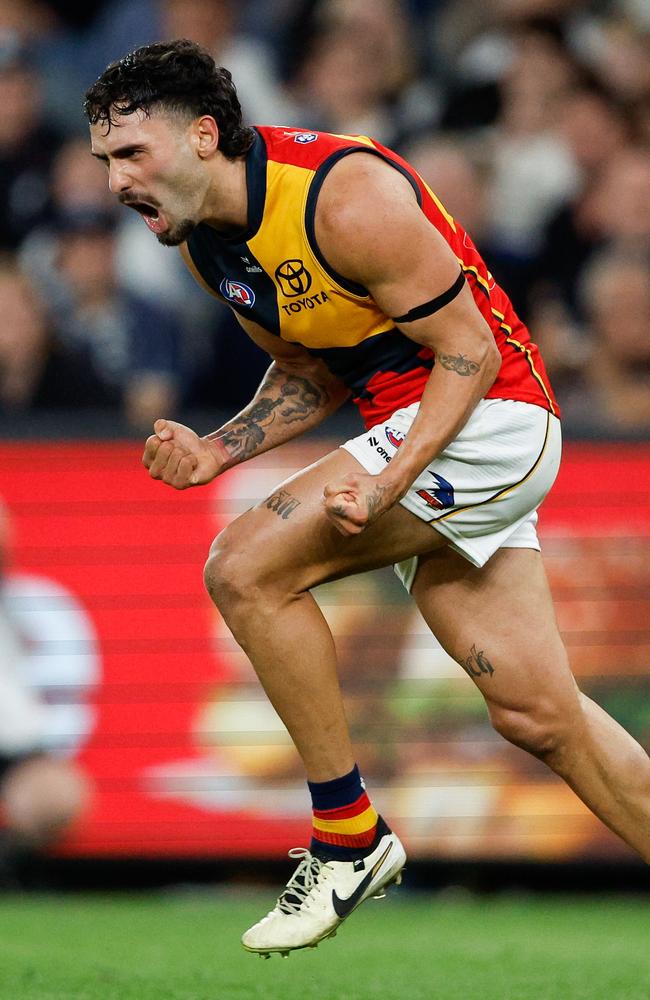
(374, 501)
(477, 663)
(459, 364)
(293, 397)
(302, 398)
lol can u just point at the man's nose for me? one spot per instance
(118, 179)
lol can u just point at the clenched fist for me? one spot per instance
(177, 455)
(357, 501)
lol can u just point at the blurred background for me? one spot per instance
(132, 728)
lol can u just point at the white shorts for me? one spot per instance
(482, 492)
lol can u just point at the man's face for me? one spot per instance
(153, 168)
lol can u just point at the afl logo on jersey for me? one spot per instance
(237, 292)
(394, 436)
(304, 137)
(293, 278)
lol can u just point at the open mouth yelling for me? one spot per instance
(153, 217)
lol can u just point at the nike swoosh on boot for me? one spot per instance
(343, 907)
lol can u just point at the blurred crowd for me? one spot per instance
(530, 119)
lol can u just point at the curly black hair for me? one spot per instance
(178, 76)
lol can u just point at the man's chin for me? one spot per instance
(173, 237)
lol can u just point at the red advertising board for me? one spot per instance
(184, 754)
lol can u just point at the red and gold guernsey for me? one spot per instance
(275, 274)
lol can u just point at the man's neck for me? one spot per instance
(226, 208)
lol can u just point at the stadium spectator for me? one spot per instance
(37, 370)
(24, 162)
(42, 791)
(622, 198)
(597, 130)
(612, 399)
(617, 49)
(534, 172)
(455, 169)
(134, 346)
(611, 214)
(77, 183)
(212, 23)
(358, 72)
(594, 124)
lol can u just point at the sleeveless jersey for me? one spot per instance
(275, 274)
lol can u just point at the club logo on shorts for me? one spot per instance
(441, 496)
(394, 436)
(237, 292)
(293, 278)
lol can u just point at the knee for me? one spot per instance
(230, 575)
(542, 729)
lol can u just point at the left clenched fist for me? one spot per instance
(356, 501)
(179, 457)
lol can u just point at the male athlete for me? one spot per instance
(342, 264)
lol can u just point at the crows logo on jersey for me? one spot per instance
(442, 494)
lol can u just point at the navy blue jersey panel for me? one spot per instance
(386, 352)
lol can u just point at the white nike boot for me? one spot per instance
(321, 894)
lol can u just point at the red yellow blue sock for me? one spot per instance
(344, 820)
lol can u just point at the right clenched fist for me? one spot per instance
(177, 455)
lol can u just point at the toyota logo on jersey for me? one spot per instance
(237, 292)
(293, 278)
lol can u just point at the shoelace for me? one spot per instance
(304, 879)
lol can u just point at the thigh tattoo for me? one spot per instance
(477, 663)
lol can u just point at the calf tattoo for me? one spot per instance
(283, 503)
(477, 663)
(459, 364)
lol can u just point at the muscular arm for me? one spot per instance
(296, 394)
(371, 229)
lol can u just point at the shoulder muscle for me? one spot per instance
(371, 229)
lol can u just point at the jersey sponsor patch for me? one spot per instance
(293, 278)
(237, 292)
(308, 302)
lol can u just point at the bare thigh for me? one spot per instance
(498, 622)
(289, 537)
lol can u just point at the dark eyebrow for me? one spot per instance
(118, 154)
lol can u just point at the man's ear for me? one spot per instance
(206, 136)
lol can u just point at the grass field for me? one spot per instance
(185, 946)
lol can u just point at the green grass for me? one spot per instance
(185, 946)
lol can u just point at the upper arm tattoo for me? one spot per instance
(459, 364)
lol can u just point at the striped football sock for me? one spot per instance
(345, 822)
